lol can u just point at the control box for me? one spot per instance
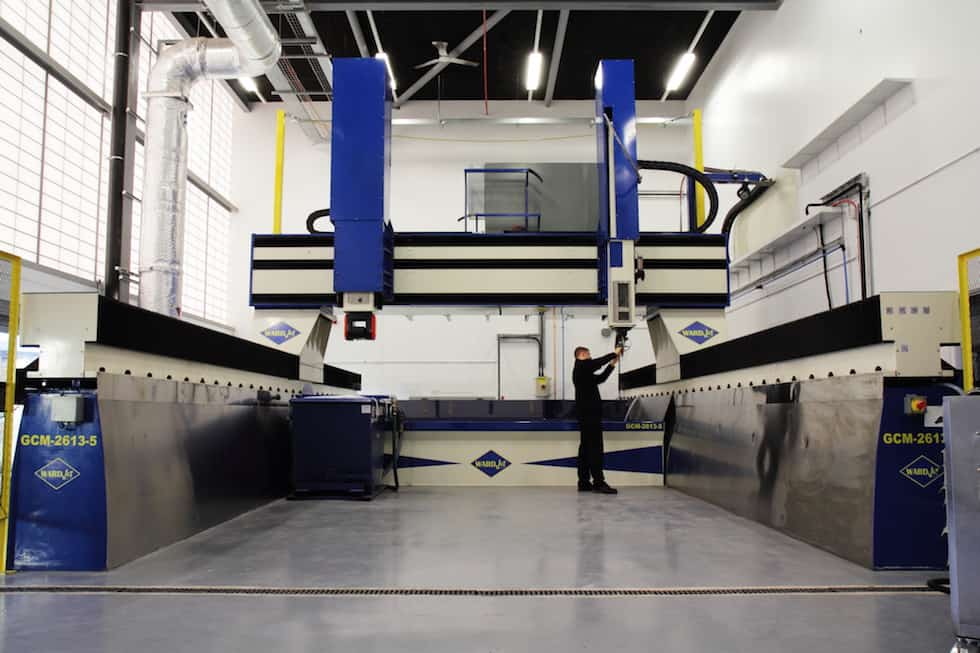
(622, 284)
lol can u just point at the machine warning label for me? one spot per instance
(280, 332)
(57, 474)
(698, 332)
(491, 463)
(922, 471)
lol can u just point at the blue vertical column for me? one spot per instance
(360, 164)
(615, 97)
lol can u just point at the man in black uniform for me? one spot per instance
(588, 406)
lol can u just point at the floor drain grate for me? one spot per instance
(473, 592)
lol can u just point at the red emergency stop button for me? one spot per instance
(915, 405)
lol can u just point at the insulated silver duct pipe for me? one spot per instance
(252, 48)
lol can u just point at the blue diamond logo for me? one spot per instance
(57, 474)
(698, 332)
(922, 471)
(280, 332)
(491, 463)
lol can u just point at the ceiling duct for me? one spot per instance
(251, 49)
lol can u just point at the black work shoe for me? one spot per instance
(585, 487)
(603, 488)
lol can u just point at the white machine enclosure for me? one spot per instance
(65, 326)
(317, 282)
(921, 333)
(663, 280)
(296, 281)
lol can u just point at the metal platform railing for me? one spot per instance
(494, 200)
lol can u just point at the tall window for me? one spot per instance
(54, 149)
(51, 159)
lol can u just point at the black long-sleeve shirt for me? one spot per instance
(587, 400)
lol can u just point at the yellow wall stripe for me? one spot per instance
(699, 164)
(280, 152)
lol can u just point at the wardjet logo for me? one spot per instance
(491, 463)
(922, 471)
(57, 474)
(280, 333)
(698, 332)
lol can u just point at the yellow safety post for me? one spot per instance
(280, 151)
(966, 333)
(13, 326)
(699, 164)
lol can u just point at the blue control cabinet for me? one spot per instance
(339, 445)
(58, 493)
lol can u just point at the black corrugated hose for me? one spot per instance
(313, 217)
(744, 203)
(691, 173)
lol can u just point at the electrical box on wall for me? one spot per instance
(542, 387)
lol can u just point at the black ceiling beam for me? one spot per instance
(556, 49)
(456, 52)
(355, 27)
(283, 6)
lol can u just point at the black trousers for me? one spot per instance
(590, 450)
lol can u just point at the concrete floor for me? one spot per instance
(481, 538)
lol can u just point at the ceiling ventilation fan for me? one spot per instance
(444, 57)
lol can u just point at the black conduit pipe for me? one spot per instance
(692, 173)
(313, 217)
(758, 191)
(839, 195)
(127, 24)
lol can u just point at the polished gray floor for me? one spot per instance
(851, 624)
(482, 538)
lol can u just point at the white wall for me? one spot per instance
(429, 355)
(781, 77)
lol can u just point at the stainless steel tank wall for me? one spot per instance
(182, 457)
(799, 456)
